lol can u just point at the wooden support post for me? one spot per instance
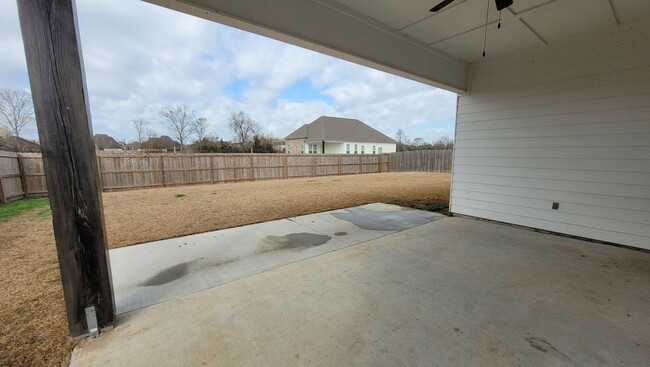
(23, 176)
(51, 40)
(314, 164)
(360, 166)
(379, 163)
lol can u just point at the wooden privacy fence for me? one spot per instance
(422, 161)
(22, 174)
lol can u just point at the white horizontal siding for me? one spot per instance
(567, 124)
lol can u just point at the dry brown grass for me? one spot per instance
(33, 329)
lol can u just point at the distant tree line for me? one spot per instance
(183, 126)
(406, 144)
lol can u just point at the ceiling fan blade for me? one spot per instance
(439, 7)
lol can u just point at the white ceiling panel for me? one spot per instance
(446, 24)
(629, 10)
(396, 14)
(566, 18)
(469, 46)
(520, 6)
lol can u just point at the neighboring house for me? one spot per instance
(161, 144)
(107, 143)
(10, 143)
(336, 135)
(133, 146)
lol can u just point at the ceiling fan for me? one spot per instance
(501, 4)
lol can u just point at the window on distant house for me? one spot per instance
(347, 148)
(313, 148)
(302, 148)
(356, 149)
(363, 149)
(374, 149)
(381, 150)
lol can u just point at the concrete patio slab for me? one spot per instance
(454, 292)
(154, 272)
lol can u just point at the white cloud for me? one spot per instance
(139, 57)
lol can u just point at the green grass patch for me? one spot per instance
(180, 195)
(46, 213)
(432, 206)
(14, 208)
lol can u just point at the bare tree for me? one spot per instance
(443, 142)
(418, 142)
(200, 129)
(17, 110)
(243, 128)
(180, 120)
(401, 138)
(141, 128)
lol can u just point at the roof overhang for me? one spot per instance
(405, 39)
(337, 30)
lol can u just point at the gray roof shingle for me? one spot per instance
(339, 129)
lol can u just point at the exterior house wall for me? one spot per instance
(569, 124)
(293, 147)
(386, 148)
(334, 148)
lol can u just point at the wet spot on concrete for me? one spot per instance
(180, 270)
(387, 220)
(168, 275)
(340, 233)
(543, 345)
(292, 241)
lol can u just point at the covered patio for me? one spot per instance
(552, 133)
(446, 291)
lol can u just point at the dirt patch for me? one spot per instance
(33, 327)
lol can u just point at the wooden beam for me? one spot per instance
(56, 75)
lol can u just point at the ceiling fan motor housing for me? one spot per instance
(502, 4)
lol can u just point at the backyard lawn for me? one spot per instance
(33, 328)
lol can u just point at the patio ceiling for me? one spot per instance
(405, 39)
(458, 29)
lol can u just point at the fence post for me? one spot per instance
(211, 169)
(23, 176)
(101, 174)
(379, 163)
(338, 165)
(3, 199)
(252, 169)
(285, 171)
(314, 169)
(360, 166)
(162, 171)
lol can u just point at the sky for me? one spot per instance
(140, 57)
